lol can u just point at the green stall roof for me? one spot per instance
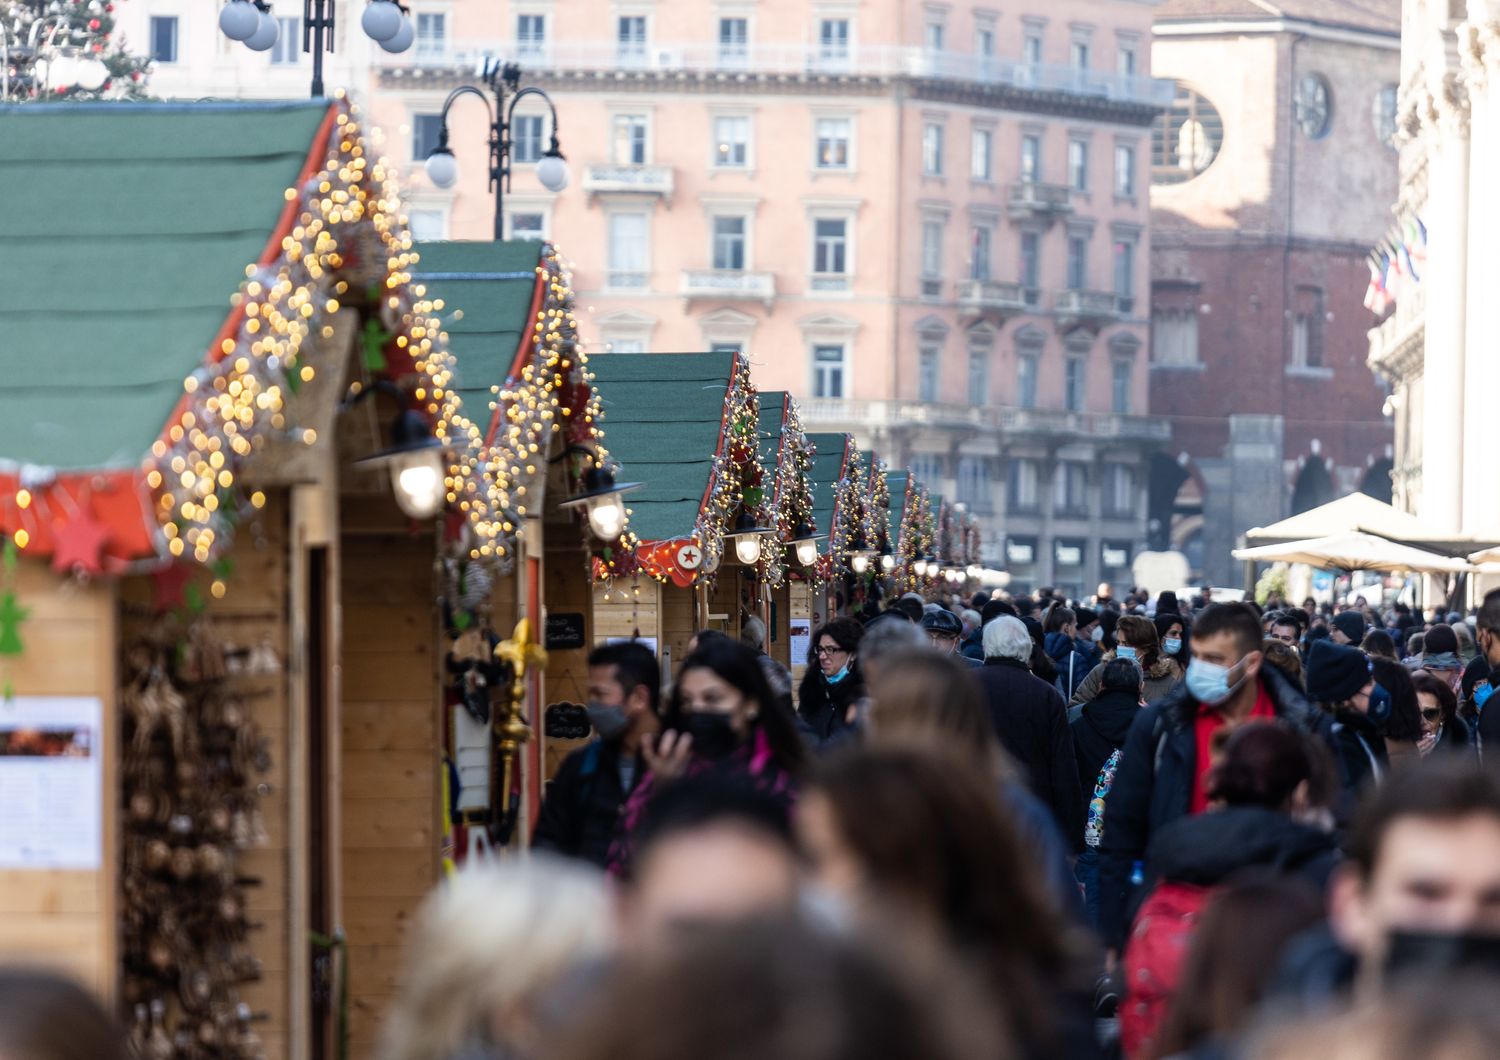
(768, 432)
(827, 469)
(492, 284)
(125, 228)
(896, 481)
(663, 417)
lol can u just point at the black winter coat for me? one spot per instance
(1207, 849)
(1360, 749)
(1099, 729)
(1154, 785)
(583, 803)
(1032, 724)
(824, 708)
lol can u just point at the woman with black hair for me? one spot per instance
(722, 718)
(1443, 730)
(1172, 631)
(833, 682)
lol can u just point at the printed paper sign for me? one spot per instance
(51, 783)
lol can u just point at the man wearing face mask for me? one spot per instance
(583, 800)
(1164, 764)
(1418, 893)
(1342, 679)
(1487, 637)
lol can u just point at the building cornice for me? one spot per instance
(1236, 239)
(1245, 27)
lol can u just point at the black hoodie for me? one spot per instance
(1099, 730)
(1207, 849)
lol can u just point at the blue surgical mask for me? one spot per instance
(1097, 635)
(1482, 693)
(1209, 682)
(1172, 645)
(1125, 651)
(839, 674)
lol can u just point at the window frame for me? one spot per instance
(519, 157)
(821, 371)
(1031, 158)
(848, 143)
(984, 174)
(1078, 261)
(731, 52)
(418, 119)
(612, 268)
(933, 135)
(833, 282)
(430, 49)
(175, 24)
(1125, 174)
(1078, 164)
(715, 156)
(714, 235)
(1075, 383)
(977, 381)
(288, 37)
(529, 45)
(1028, 376)
(628, 49)
(1121, 369)
(930, 369)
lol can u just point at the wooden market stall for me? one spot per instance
(786, 455)
(684, 427)
(237, 625)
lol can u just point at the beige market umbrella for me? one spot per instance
(1354, 551)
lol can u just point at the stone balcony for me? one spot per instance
(1086, 309)
(1031, 200)
(978, 298)
(861, 416)
(727, 285)
(658, 181)
(1398, 342)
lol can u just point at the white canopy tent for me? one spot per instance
(1355, 512)
(1354, 551)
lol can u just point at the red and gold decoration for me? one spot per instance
(790, 503)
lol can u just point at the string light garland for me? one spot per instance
(791, 499)
(846, 522)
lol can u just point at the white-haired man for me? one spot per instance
(1031, 721)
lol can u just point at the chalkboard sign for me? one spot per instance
(565, 630)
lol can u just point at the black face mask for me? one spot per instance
(1428, 953)
(713, 734)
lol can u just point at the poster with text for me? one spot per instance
(801, 637)
(51, 783)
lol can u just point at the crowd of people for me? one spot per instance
(1006, 828)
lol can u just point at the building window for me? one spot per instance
(1078, 262)
(932, 250)
(734, 40)
(1383, 114)
(932, 149)
(630, 38)
(288, 46)
(833, 40)
(1119, 381)
(164, 38)
(1119, 490)
(1307, 328)
(974, 484)
(981, 152)
(980, 241)
(1071, 488)
(927, 468)
(832, 147)
(984, 42)
(979, 374)
(526, 134)
(1125, 171)
(1079, 55)
(1026, 365)
(1031, 265)
(1031, 157)
(1074, 382)
(629, 250)
(828, 371)
(526, 224)
(432, 32)
(1125, 61)
(1023, 478)
(426, 130)
(1125, 274)
(1078, 165)
(1174, 336)
(929, 369)
(531, 36)
(830, 250)
(427, 222)
(624, 345)
(934, 37)
(731, 142)
(1031, 47)
(729, 243)
(630, 139)
(1185, 139)
(725, 347)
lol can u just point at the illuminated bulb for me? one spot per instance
(607, 517)
(919, 568)
(747, 548)
(887, 563)
(859, 563)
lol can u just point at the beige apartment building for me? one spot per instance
(926, 220)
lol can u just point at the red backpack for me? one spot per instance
(1153, 960)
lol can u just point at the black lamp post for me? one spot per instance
(501, 79)
(253, 23)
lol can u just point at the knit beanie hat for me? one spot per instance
(1335, 672)
(1351, 624)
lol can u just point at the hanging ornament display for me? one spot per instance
(190, 789)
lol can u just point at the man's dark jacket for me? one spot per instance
(1153, 785)
(582, 804)
(1032, 722)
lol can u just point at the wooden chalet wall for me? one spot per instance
(67, 919)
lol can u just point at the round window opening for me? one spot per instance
(1185, 139)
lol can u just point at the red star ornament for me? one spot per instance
(167, 587)
(78, 545)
